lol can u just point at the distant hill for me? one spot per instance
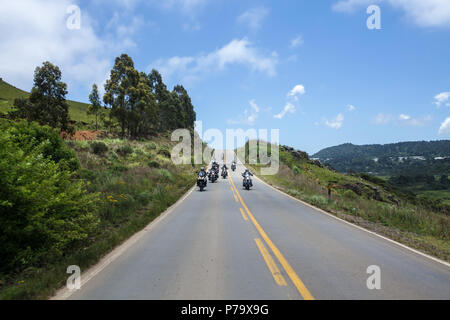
(406, 158)
(8, 93)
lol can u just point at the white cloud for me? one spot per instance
(416, 122)
(35, 31)
(288, 108)
(254, 106)
(445, 127)
(297, 41)
(335, 123)
(249, 117)
(404, 117)
(298, 90)
(424, 13)
(236, 52)
(253, 18)
(382, 118)
(442, 98)
(351, 5)
(351, 108)
(402, 120)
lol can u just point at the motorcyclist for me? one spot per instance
(248, 173)
(202, 172)
(224, 170)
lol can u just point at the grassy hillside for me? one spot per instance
(365, 200)
(8, 93)
(132, 182)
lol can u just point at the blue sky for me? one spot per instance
(309, 68)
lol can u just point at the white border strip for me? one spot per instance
(356, 226)
(64, 293)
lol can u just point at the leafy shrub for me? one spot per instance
(296, 170)
(43, 212)
(319, 200)
(117, 168)
(349, 194)
(151, 146)
(99, 147)
(164, 151)
(86, 174)
(27, 136)
(154, 164)
(125, 150)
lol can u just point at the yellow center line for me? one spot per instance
(235, 198)
(243, 214)
(298, 283)
(279, 279)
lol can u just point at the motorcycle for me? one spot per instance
(224, 173)
(201, 182)
(247, 182)
(233, 166)
(212, 175)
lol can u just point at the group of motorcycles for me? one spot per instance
(213, 175)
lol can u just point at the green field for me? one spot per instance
(8, 93)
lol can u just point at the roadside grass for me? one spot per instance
(132, 195)
(390, 215)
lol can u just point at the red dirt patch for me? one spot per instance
(84, 135)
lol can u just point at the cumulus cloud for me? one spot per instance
(236, 52)
(297, 41)
(297, 91)
(254, 17)
(288, 108)
(445, 127)
(249, 116)
(351, 108)
(382, 118)
(442, 99)
(335, 123)
(34, 31)
(401, 119)
(429, 13)
(416, 122)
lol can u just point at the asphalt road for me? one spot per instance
(229, 243)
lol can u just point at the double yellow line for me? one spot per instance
(298, 283)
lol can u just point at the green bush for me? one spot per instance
(164, 151)
(319, 200)
(44, 213)
(151, 146)
(99, 147)
(117, 168)
(349, 194)
(296, 170)
(154, 164)
(125, 150)
(27, 136)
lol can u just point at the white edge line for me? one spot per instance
(354, 225)
(64, 293)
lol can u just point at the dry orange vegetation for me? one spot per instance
(84, 135)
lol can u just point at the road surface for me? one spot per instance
(229, 243)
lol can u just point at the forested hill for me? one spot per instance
(431, 157)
